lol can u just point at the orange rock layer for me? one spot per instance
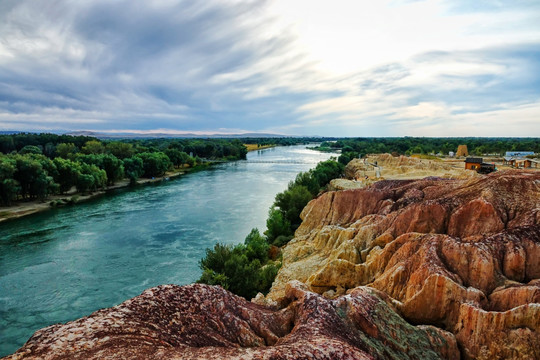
(463, 255)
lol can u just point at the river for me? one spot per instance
(66, 263)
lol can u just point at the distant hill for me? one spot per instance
(125, 135)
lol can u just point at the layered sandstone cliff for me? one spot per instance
(463, 255)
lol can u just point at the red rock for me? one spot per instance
(508, 297)
(434, 246)
(207, 322)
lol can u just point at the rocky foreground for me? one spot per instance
(403, 269)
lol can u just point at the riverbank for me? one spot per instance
(24, 208)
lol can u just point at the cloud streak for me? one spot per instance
(388, 68)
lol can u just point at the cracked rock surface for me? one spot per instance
(207, 322)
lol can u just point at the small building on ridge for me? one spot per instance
(473, 163)
(478, 164)
(518, 154)
(517, 159)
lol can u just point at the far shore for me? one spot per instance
(25, 208)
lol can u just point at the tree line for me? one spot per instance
(285, 141)
(420, 145)
(211, 149)
(35, 166)
(247, 268)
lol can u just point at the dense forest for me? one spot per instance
(34, 166)
(421, 145)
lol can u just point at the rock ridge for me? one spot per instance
(207, 322)
(460, 254)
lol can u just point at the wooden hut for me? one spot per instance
(473, 163)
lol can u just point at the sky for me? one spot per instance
(293, 67)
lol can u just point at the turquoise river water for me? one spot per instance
(66, 263)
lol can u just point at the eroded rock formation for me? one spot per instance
(207, 322)
(463, 255)
(403, 269)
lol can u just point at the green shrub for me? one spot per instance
(292, 201)
(243, 269)
(276, 226)
(282, 240)
(154, 163)
(346, 157)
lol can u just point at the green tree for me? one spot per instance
(93, 147)
(85, 182)
(7, 144)
(91, 178)
(154, 164)
(133, 168)
(308, 180)
(113, 167)
(243, 269)
(49, 150)
(346, 157)
(67, 173)
(92, 159)
(177, 157)
(190, 161)
(120, 149)
(256, 246)
(291, 202)
(9, 187)
(66, 150)
(33, 179)
(326, 171)
(30, 149)
(276, 227)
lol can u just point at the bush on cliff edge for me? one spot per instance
(284, 215)
(245, 269)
